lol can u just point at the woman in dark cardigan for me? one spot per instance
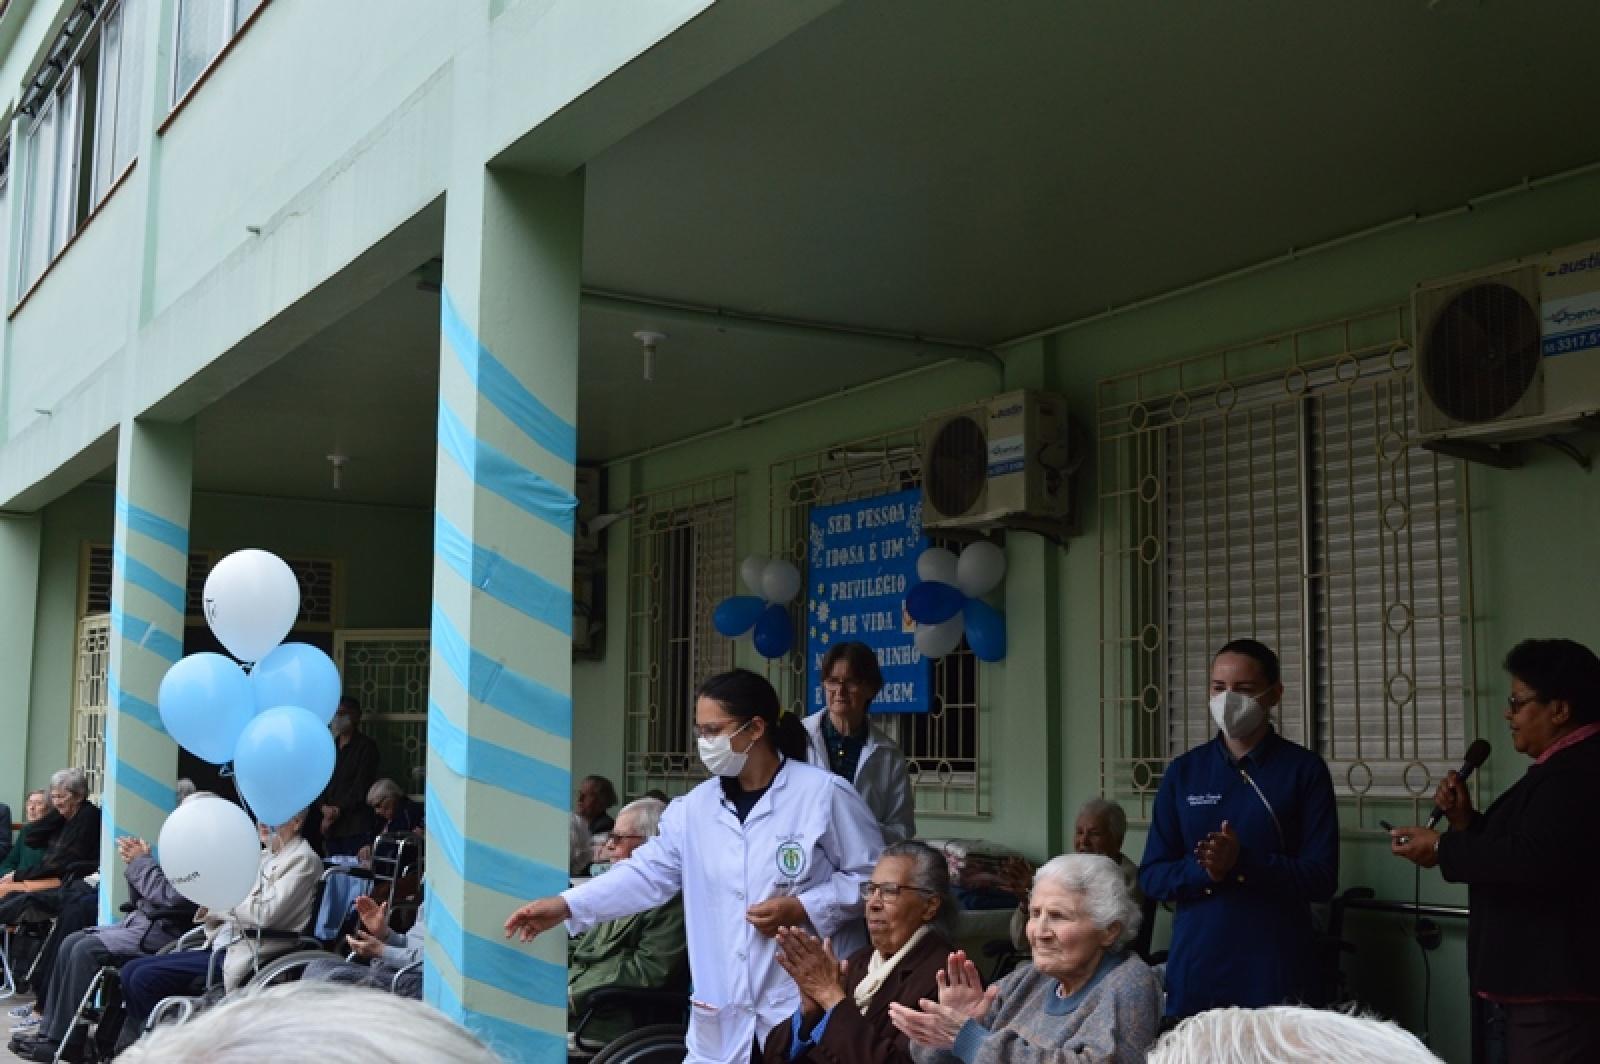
(844, 1018)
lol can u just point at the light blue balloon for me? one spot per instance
(297, 674)
(284, 760)
(986, 630)
(205, 705)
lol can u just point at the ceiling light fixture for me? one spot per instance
(649, 340)
(338, 462)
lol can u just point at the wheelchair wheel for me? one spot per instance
(661, 1044)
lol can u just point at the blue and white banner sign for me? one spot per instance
(863, 559)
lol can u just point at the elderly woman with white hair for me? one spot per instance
(1084, 998)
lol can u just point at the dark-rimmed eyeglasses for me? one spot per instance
(1513, 703)
(890, 891)
(615, 836)
(842, 685)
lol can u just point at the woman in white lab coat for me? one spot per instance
(768, 842)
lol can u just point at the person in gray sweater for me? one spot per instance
(1085, 998)
(383, 952)
(160, 914)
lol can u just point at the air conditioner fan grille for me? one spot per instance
(957, 464)
(1482, 352)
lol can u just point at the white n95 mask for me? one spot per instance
(719, 756)
(1236, 713)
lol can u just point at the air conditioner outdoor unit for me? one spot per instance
(1001, 463)
(1511, 353)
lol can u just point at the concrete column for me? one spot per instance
(150, 569)
(500, 706)
(19, 576)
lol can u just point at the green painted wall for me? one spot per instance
(1532, 537)
(385, 557)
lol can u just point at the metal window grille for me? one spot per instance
(388, 670)
(1273, 491)
(942, 747)
(90, 699)
(680, 565)
(318, 577)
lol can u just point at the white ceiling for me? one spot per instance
(968, 170)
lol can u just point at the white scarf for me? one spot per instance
(879, 969)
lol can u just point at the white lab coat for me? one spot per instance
(809, 836)
(881, 778)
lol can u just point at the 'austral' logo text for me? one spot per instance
(1590, 261)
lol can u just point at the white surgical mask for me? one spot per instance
(719, 756)
(1236, 713)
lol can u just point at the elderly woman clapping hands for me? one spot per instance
(1084, 997)
(844, 1009)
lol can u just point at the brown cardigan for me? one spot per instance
(853, 1038)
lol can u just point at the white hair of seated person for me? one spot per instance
(643, 816)
(312, 1023)
(1287, 1034)
(1105, 892)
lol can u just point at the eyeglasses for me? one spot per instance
(890, 891)
(713, 731)
(1514, 703)
(616, 836)
(842, 685)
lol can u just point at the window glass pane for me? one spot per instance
(129, 73)
(246, 8)
(202, 27)
(41, 153)
(66, 166)
(106, 112)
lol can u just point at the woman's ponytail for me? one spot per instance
(790, 737)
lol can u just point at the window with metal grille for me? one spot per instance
(1275, 492)
(941, 746)
(90, 698)
(318, 578)
(388, 671)
(680, 565)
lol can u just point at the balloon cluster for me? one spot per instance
(270, 722)
(947, 601)
(764, 614)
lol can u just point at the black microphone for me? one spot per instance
(1477, 754)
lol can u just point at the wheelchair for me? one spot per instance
(659, 1027)
(37, 924)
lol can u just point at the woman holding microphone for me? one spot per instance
(1530, 862)
(768, 842)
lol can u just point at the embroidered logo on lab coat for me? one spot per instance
(791, 857)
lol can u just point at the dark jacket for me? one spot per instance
(66, 843)
(22, 859)
(852, 1037)
(1288, 860)
(355, 770)
(1530, 862)
(5, 830)
(160, 914)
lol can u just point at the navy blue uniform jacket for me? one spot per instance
(1247, 940)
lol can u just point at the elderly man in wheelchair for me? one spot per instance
(266, 923)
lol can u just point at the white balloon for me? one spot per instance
(936, 563)
(780, 582)
(251, 601)
(980, 568)
(751, 571)
(937, 640)
(210, 852)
